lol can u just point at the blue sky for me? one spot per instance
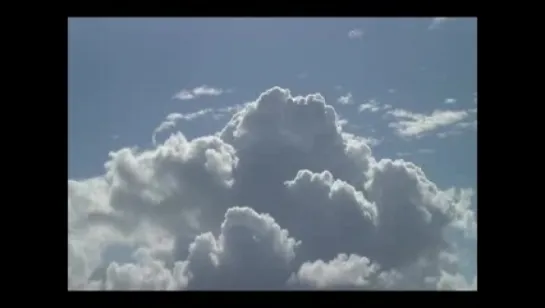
(407, 84)
(124, 72)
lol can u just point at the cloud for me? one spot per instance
(372, 105)
(172, 119)
(355, 34)
(459, 128)
(419, 151)
(197, 92)
(392, 90)
(231, 211)
(437, 21)
(411, 124)
(472, 124)
(450, 101)
(346, 99)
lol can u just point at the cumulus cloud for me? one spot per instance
(437, 22)
(355, 34)
(280, 198)
(197, 92)
(410, 124)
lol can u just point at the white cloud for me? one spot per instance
(472, 124)
(459, 128)
(184, 95)
(392, 90)
(197, 92)
(372, 105)
(231, 211)
(355, 34)
(172, 119)
(346, 99)
(437, 21)
(411, 124)
(450, 101)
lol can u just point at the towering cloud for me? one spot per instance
(280, 198)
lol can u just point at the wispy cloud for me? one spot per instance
(221, 112)
(425, 151)
(472, 124)
(346, 99)
(373, 106)
(450, 101)
(392, 90)
(419, 151)
(437, 21)
(411, 124)
(355, 34)
(197, 92)
(172, 119)
(459, 129)
(302, 75)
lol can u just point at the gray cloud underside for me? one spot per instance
(280, 198)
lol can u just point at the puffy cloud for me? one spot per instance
(450, 101)
(342, 272)
(280, 198)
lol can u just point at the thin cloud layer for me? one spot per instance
(281, 198)
(355, 34)
(437, 22)
(197, 92)
(410, 124)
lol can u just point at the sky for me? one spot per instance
(201, 147)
